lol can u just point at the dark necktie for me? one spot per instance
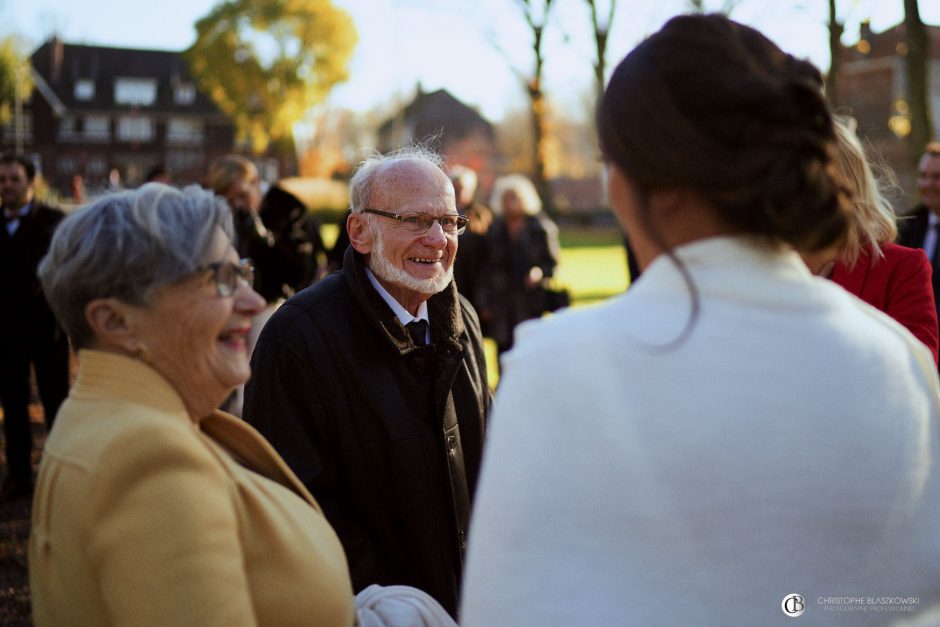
(418, 329)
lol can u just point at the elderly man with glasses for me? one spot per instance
(372, 382)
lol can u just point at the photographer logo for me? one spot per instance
(793, 605)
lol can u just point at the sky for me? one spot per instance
(473, 48)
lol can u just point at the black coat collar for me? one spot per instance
(444, 310)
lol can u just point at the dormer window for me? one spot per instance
(185, 94)
(84, 89)
(135, 92)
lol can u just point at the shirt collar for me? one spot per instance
(404, 316)
(22, 211)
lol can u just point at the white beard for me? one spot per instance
(384, 269)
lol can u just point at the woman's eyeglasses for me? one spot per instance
(225, 275)
(418, 222)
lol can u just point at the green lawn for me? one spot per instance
(592, 273)
(593, 267)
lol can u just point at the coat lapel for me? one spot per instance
(251, 450)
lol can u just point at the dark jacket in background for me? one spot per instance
(297, 239)
(283, 240)
(334, 258)
(470, 263)
(503, 294)
(387, 435)
(25, 310)
(30, 335)
(912, 229)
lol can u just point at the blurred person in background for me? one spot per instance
(733, 429)
(920, 228)
(31, 337)
(522, 253)
(470, 263)
(297, 236)
(77, 189)
(236, 179)
(159, 174)
(893, 278)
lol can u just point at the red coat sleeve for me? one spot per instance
(909, 297)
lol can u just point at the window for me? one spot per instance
(67, 165)
(11, 132)
(185, 94)
(141, 92)
(184, 131)
(84, 89)
(136, 128)
(68, 128)
(97, 166)
(97, 128)
(185, 159)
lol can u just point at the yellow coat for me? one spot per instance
(143, 517)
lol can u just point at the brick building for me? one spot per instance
(460, 133)
(872, 88)
(95, 109)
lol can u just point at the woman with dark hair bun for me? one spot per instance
(733, 440)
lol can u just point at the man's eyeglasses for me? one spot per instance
(226, 274)
(418, 222)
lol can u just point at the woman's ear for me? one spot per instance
(666, 201)
(360, 233)
(110, 323)
(683, 215)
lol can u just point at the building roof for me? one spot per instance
(60, 65)
(887, 43)
(438, 111)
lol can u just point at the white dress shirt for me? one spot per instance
(14, 223)
(404, 316)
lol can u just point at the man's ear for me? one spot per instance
(360, 233)
(111, 324)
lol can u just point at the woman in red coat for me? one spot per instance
(893, 278)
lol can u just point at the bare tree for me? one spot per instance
(536, 18)
(836, 29)
(698, 6)
(918, 44)
(535, 14)
(601, 29)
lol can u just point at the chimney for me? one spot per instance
(864, 31)
(57, 52)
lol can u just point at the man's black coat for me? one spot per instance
(387, 436)
(26, 316)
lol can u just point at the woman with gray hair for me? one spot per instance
(522, 253)
(153, 507)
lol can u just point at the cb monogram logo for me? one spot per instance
(793, 605)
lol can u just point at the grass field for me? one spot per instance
(593, 267)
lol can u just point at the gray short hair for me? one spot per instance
(525, 190)
(124, 246)
(466, 176)
(360, 186)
